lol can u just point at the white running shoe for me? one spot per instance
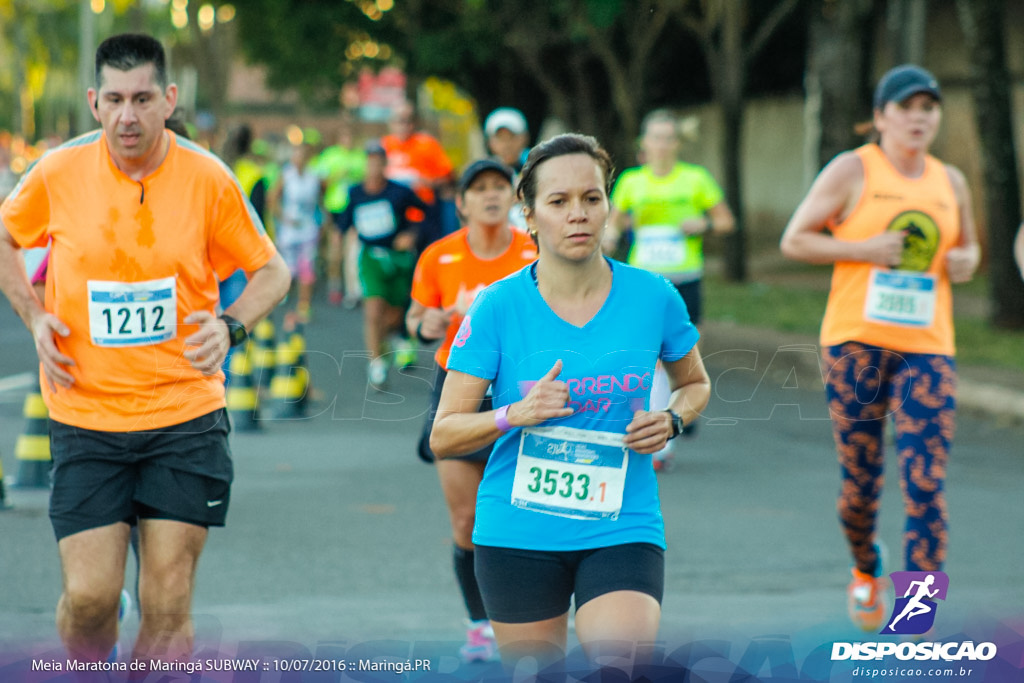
(377, 373)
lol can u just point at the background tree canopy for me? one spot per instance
(595, 64)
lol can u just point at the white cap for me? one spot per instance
(505, 117)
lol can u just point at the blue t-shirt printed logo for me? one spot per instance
(914, 613)
(597, 394)
(464, 333)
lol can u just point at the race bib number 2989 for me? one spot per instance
(132, 313)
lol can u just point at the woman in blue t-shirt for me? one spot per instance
(569, 500)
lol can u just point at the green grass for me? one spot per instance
(797, 305)
(978, 343)
(778, 307)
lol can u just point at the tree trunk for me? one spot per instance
(836, 68)
(732, 79)
(906, 23)
(736, 243)
(983, 24)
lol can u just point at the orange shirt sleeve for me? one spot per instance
(237, 238)
(26, 211)
(426, 290)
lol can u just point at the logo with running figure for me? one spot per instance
(921, 241)
(914, 613)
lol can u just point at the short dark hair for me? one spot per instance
(561, 145)
(127, 51)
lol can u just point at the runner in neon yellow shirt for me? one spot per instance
(342, 165)
(670, 206)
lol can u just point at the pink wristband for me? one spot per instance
(501, 421)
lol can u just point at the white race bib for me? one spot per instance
(899, 297)
(133, 313)
(660, 248)
(570, 472)
(375, 219)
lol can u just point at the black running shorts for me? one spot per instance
(423, 448)
(182, 472)
(522, 586)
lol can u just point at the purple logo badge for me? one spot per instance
(914, 612)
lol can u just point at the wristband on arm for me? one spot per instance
(501, 419)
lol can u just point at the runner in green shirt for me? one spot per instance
(670, 206)
(342, 165)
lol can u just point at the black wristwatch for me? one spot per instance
(677, 423)
(236, 330)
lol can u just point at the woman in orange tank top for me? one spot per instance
(896, 224)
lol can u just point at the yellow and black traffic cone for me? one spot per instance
(297, 339)
(290, 384)
(32, 449)
(263, 356)
(243, 401)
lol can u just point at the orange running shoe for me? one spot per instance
(866, 601)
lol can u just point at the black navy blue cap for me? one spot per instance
(904, 81)
(374, 147)
(478, 167)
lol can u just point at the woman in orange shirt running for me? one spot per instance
(449, 274)
(900, 231)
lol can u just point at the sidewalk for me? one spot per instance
(992, 392)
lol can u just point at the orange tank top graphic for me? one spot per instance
(910, 307)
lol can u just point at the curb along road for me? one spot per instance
(976, 392)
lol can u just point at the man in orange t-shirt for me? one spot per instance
(141, 224)
(449, 275)
(418, 160)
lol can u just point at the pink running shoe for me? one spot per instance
(480, 644)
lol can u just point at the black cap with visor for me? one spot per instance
(904, 81)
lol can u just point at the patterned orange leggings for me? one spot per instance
(867, 385)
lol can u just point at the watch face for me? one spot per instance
(677, 424)
(236, 331)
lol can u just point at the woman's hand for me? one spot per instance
(883, 250)
(648, 431)
(961, 262)
(546, 400)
